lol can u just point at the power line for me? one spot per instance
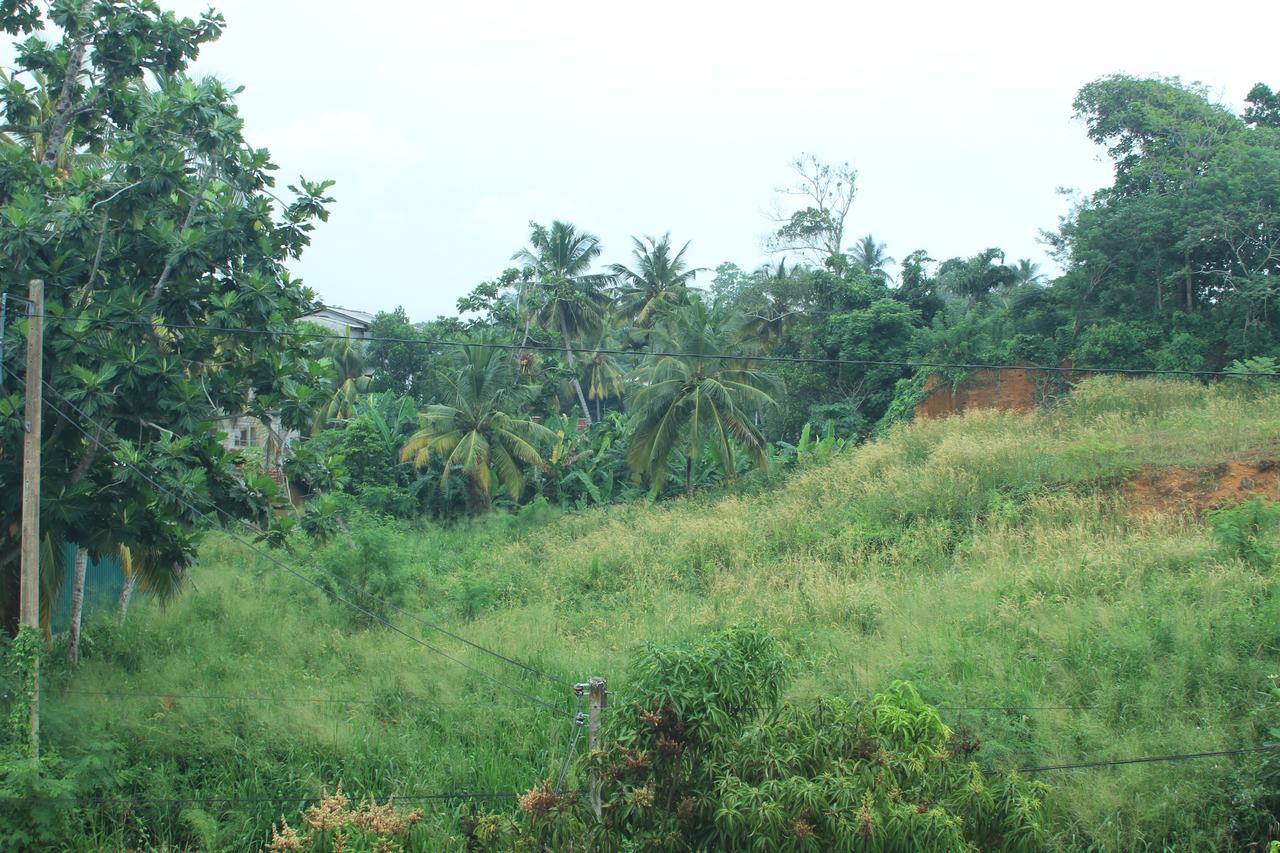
(785, 359)
(283, 700)
(1186, 756)
(275, 560)
(562, 682)
(448, 795)
(1015, 707)
(391, 605)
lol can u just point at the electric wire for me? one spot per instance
(653, 353)
(573, 744)
(269, 699)
(411, 798)
(787, 359)
(271, 558)
(562, 682)
(1186, 756)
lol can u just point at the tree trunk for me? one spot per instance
(688, 475)
(60, 121)
(77, 606)
(577, 386)
(1191, 294)
(126, 593)
(597, 410)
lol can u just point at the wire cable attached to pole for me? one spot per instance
(578, 723)
(271, 558)
(1186, 756)
(783, 359)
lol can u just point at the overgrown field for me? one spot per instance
(994, 560)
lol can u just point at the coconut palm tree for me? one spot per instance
(766, 326)
(347, 358)
(566, 297)
(1027, 272)
(658, 282)
(604, 376)
(696, 400)
(478, 434)
(872, 257)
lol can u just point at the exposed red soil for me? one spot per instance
(1010, 390)
(1193, 490)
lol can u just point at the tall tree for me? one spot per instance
(1264, 107)
(872, 257)
(1027, 272)
(348, 379)
(973, 279)
(481, 432)
(605, 376)
(568, 299)
(697, 400)
(824, 193)
(659, 280)
(130, 189)
(769, 309)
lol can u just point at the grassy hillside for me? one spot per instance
(1012, 565)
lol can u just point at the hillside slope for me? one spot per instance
(1040, 577)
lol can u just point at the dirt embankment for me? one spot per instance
(1193, 490)
(1011, 390)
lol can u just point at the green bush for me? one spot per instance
(1244, 529)
(365, 567)
(707, 757)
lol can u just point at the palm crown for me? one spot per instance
(566, 297)
(697, 399)
(658, 281)
(479, 433)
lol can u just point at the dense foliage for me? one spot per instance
(993, 557)
(1011, 567)
(708, 757)
(128, 187)
(1170, 268)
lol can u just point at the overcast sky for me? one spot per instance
(449, 126)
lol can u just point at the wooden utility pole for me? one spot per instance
(597, 699)
(29, 592)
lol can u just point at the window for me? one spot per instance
(244, 437)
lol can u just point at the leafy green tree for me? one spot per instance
(1189, 227)
(697, 400)
(975, 278)
(767, 311)
(567, 298)
(658, 281)
(1264, 107)
(402, 361)
(129, 188)
(883, 331)
(917, 287)
(480, 433)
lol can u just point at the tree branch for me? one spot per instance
(186, 223)
(91, 453)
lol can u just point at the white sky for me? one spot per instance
(449, 126)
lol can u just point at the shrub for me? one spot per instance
(709, 758)
(364, 567)
(1243, 529)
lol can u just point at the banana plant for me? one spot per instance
(812, 449)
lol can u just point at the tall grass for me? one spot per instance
(989, 558)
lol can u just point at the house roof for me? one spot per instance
(349, 317)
